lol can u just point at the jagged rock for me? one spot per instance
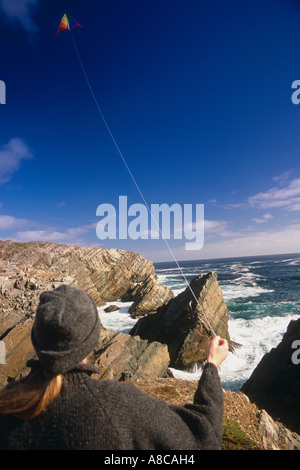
(123, 357)
(106, 275)
(148, 295)
(275, 436)
(20, 284)
(183, 327)
(111, 308)
(18, 349)
(27, 269)
(274, 384)
(118, 356)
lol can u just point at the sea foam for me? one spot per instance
(262, 298)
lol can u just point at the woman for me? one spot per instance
(59, 406)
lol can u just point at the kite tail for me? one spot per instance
(141, 194)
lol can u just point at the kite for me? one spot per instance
(67, 23)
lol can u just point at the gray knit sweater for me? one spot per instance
(109, 415)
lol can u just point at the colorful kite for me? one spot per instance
(67, 23)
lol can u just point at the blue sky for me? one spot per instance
(197, 95)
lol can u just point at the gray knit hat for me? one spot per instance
(65, 330)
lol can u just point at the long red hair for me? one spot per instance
(28, 397)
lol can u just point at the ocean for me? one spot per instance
(262, 295)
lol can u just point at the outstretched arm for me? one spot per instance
(218, 351)
(205, 415)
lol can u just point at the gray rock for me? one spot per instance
(183, 326)
(275, 436)
(111, 308)
(123, 357)
(274, 384)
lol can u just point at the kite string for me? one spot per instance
(137, 186)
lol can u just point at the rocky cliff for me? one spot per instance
(184, 326)
(106, 275)
(275, 383)
(27, 269)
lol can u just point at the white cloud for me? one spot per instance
(283, 178)
(11, 157)
(8, 222)
(286, 240)
(214, 226)
(220, 228)
(69, 235)
(266, 242)
(237, 205)
(287, 197)
(210, 226)
(263, 219)
(60, 204)
(21, 11)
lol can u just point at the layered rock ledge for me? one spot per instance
(105, 274)
(28, 269)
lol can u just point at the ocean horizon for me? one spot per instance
(262, 297)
